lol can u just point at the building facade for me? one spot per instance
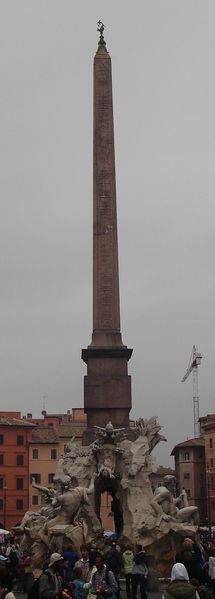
(207, 424)
(15, 438)
(191, 473)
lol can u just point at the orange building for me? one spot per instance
(15, 435)
(43, 459)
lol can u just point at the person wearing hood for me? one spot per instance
(180, 587)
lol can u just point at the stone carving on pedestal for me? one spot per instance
(119, 462)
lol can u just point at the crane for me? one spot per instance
(195, 361)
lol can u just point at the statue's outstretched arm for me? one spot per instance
(42, 489)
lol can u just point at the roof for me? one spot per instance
(56, 415)
(22, 422)
(163, 470)
(207, 422)
(69, 430)
(200, 442)
(44, 435)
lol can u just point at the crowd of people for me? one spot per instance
(91, 574)
(70, 575)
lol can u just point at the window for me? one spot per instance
(1, 458)
(188, 492)
(211, 443)
(20, 440)
(35, 454)
(186, 475)
(201, 454)
(1, 504)
(50, 424)
(53, 454)
(1, 439)
(35, 500)
(202, 491)
(211, 463)
(213, 504)
(20, 460)
(1, 483)
(212, 483)
(19, 483)
(19, 504)
(51, 476)
(186, 456)
(36, 477)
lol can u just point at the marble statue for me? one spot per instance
(119, 462)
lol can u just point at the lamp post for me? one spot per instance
(5, 499)
(209, 499)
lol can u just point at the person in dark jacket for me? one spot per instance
(190, 558)
(139, 573)
(71, 556)
(50, 586)
(113, 561)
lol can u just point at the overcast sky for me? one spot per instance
(163, 54)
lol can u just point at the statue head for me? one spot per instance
(104, 473)
(169, 482)
(109, 427)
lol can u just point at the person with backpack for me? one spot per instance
(113, 561)
(48, 585)
(103, 583)
(128, 564)
(139, 573)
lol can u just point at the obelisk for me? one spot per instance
(107, 386)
